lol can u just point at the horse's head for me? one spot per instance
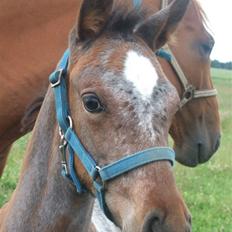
(196, 126)
(121, 103)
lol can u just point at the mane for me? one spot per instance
(201, 13)
(123, 22)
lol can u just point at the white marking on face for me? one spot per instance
(101, 223)
(141, 72)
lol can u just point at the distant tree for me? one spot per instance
(218, 64)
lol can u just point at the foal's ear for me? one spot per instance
(92, 18)
(157, 28)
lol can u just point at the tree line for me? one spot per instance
(218, 64)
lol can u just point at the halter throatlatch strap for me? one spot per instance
(69, 139)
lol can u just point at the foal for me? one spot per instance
(115, 113)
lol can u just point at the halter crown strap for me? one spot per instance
(99, 175)
(57, 79)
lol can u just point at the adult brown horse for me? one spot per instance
(195, 128)
(115, 113)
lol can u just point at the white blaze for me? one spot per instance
(140, 71)
(101, 223)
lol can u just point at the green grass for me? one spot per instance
(222, 73)
(207, 189)
(10, 176)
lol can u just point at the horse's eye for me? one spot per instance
(206, 48)
(92, 103)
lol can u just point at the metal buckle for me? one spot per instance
(187, 95)
(96, 173)
(64, 165)
(64, 168)
(60, 71)
(61, 133)
(62, 147)
(97, 178)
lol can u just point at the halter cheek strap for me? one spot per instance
(69, 139)
(190, 92)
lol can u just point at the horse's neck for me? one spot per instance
(35, 31)
(34, 34)
(44, 200)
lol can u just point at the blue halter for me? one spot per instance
(71, 141)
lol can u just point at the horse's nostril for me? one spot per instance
(154, 221)
(199, 146)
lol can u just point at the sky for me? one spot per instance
(219, 14)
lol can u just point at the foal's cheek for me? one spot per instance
(117, 200)
(173, 102)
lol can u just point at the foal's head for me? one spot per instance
(122, 103)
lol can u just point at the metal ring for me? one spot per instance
(98, 168)
(61, 133)
(189, 93)
(60, 71)
(70, 122)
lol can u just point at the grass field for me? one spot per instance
(207, 189)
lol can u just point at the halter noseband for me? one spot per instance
(70, 141)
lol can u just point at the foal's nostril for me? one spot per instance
(154, 221)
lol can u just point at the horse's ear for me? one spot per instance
(157, 28)
(92, 17)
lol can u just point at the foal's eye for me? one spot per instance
(92, 103)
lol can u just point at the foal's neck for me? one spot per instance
(44, 200)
